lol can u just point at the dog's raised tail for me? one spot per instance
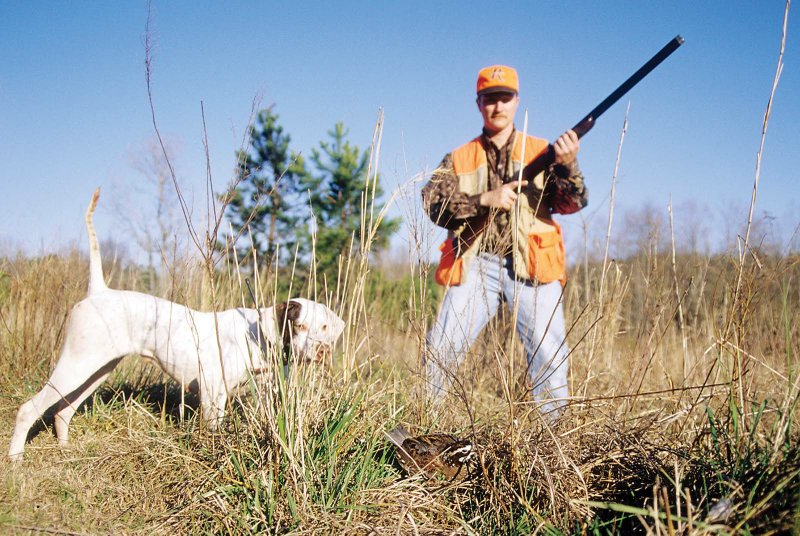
(96, 281)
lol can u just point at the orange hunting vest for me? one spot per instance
(538, 252)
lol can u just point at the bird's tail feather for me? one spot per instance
(397, 436)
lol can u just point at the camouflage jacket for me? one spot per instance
(564, 193)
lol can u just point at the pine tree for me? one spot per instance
(337, 193)
(264, 203)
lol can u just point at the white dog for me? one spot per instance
(213, 352)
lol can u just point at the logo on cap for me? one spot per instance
(497, 78)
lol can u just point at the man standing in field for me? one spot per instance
(502, 243)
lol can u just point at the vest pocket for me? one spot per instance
(449, 271)
(546, 258)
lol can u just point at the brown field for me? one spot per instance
(684, 400)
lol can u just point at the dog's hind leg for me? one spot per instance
(69, 405)
(68, 385)
(29, 413)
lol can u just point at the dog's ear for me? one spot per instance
(289, 310)
(293, 310)
(287, 314)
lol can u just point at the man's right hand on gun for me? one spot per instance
(502, 198)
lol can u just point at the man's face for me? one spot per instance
(498, 110)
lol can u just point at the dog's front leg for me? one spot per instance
(212, 405)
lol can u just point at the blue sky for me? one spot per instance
(74, 108)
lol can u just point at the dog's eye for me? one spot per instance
(324, 327)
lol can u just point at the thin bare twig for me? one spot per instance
(742, 254)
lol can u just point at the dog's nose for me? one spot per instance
(323, 351)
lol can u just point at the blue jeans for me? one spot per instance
(466, 309)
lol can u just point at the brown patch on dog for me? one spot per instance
(287, 314)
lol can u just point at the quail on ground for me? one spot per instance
(432, 454)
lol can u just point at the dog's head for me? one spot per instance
(307, 329)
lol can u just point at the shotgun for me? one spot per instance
(544, 160)
(585, 125)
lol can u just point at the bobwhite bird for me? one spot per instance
(432, 453)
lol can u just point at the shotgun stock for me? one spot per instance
(547, 157)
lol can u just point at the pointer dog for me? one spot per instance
(212, 352)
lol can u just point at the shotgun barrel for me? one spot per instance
(544, 160)
(586, 124)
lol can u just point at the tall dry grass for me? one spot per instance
(670, 417)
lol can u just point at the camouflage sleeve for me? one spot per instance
(442, 201)
(565, 192)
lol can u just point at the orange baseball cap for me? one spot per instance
(497, 79)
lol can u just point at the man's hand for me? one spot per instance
(503, 197)
(567, 147)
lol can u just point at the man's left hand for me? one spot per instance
(567, 147)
